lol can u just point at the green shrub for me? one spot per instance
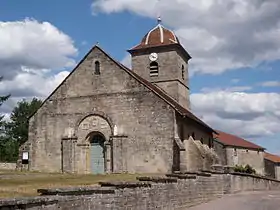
(249, 169)
(245, 169)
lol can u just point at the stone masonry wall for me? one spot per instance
(221, 151)
(277, 171)
(270, 169)
(170, 77)
(246, 156)
(173, 192)
(7, 166)
(121, 100)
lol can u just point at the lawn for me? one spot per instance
(23, 184)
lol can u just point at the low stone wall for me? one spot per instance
(8, 166)
(172, 192)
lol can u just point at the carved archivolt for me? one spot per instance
(93, 123)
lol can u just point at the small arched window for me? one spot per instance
(97, 68)
(183, 72)
(154, 69)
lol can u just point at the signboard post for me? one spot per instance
(25, 159)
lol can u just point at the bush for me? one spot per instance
(247, 169)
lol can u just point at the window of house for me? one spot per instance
(97, 68)
(183, 72)
(154, 69)
(235, 152)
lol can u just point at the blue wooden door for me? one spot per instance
(97, 157)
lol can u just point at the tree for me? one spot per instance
(3, 139)
(2, 100)
(17, 128)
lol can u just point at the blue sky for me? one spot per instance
(234, 70)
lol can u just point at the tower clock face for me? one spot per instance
(153, 57)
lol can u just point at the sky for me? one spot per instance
(234, 44)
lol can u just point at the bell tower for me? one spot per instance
(162, 60)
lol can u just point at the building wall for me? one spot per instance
(170, 72)
(277, 171)
(7, 166)
(146, 120)
(241, 156)
(221, 151)
(197, 141)
(270, 169)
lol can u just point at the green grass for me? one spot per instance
(22, 184)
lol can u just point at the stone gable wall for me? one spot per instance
(146, 120)
(174, 192)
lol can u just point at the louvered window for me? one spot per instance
(154, 69)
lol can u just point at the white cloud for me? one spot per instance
(246, 114)
(30, 44)
(228, 89)
(33, 59)
(271, 84)
(27, 86)
(220, 35)
(127, 61)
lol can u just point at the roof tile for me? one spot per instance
(232, 140)
(158, 36)
(271, 157)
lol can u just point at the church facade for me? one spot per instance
(106, 118)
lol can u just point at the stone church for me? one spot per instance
(107, 118)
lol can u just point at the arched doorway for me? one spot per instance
(97, 153)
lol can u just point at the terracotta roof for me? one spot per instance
(158, 36)
(271, 157)
(232, 140)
